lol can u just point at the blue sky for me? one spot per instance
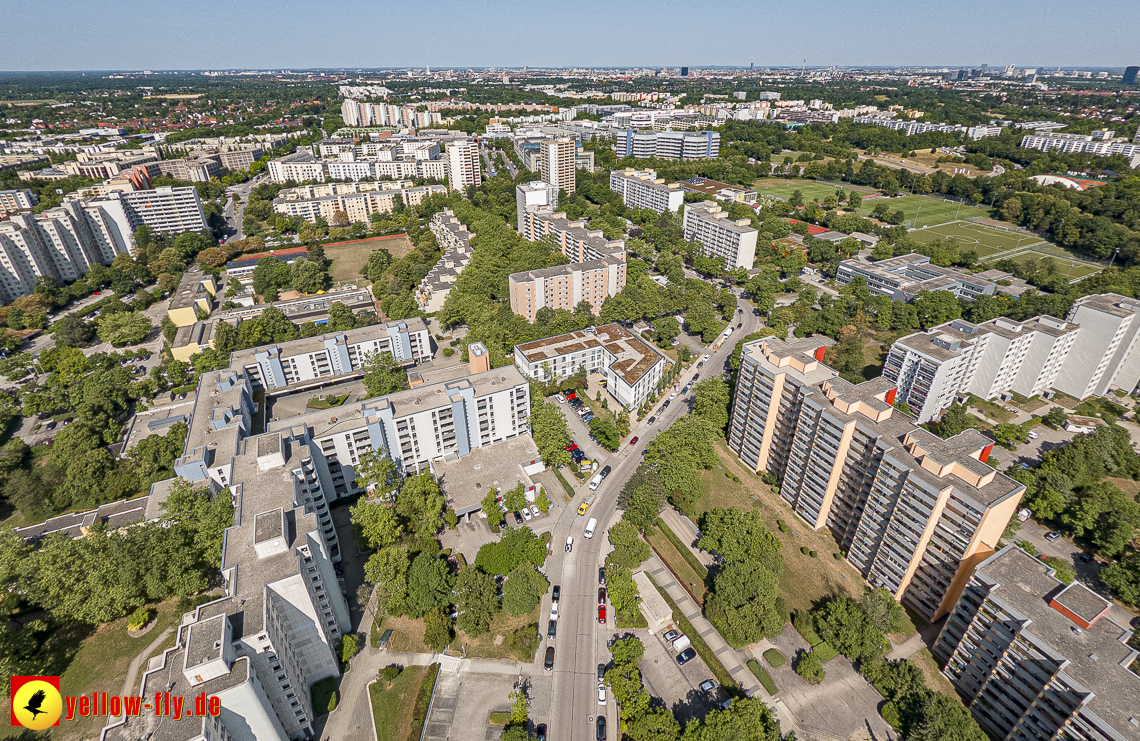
(222, 34)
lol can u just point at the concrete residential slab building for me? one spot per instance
(1034, 658)
(901, 278)
(533, 196)
(633, 369)
(1105, 355)
(294, 363)
(572, 238)
(675, 145)
(455, 240)
(913, 512)
(356, 200)
(720, 236)
(432, 422)
(642, 189)
(989, 359)
(166, 210)
(564, 286)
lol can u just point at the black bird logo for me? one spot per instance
(34, 703)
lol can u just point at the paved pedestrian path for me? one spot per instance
(686, 532)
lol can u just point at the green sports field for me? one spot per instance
(923, 211)
(811, 190)
(993, 244)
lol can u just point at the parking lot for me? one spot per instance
(677, 686)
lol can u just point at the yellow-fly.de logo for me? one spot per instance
(36, 702)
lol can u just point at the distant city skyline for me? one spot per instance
(129, 35)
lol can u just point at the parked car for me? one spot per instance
(605, 471)
(709, 685)
(600, 725)
(1052, 536)
(555, 593)
(1033, 435)
(569, 543)
(527, 515)
(551, 629)
(601, 694)
(671, 635)
(633, 440)
(553, 610)
(518, 518)
(548, 663)
(540, 732)
(652, 419)
(601, 672)
(706, 358)
(665, 405)
(602, 576)
(602, 595)
(686, 656)
(534, 510)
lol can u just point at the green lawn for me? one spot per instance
(928, 210)
(810, 189)
(392, 705)
(692, 580)
(326, 403)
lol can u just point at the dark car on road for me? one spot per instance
(518, 519)
(551, 629)
(540, 732)
(665, 405)
(682, 658)
(601, 595)
(601, 672)
(652, 420)
(605, 471)
(601, 726)
(555, 593)
(548, 664)
(602, 576)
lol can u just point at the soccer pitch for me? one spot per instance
(993, 244)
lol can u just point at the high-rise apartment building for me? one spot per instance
(165, 210)
(643, 189)
(913, 512)
(463, 167)
(13, 201)
(735, 241)
(62, 242)
(1036, 659)
(989, 359)
(532, 196)
(1106, 354)
(565, 286)
(356, 200)
(558, 164)
(455, 240)
(1130, 75)
(572, 238)
(675, 145)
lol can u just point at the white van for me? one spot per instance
(596, 481)
(681, 643)
(593, 523)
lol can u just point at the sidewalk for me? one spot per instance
(731, 659)
(686, 532)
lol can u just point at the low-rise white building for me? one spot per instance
(632, 367)
(455, 239)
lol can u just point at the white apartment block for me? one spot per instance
(912, 512)
(557, 165)
(198, 167)
(455, 240)
(1079, 143)
(12, 201)
(299, 167)
(564, 286)
(720, 236)
(61, 242)
(643, 189)
(669, 145)
(358, 113)
(300, 362)
(1105, 355)
(240, 158)
(463, 166)
(165, 210)
(357, 200)
(531, 196)
(633, 369)
(932, 368)
(572, 238)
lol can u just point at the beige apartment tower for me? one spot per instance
(913, 513)
(558, 164)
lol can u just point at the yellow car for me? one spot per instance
(583, 507)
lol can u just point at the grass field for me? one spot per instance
(693, 582)
(783, 188)
(993, 244)
(349, 257)
(926, 210)
(392, 704)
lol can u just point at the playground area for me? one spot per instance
(994, 243)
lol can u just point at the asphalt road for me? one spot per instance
(235, 207)
(581, 642)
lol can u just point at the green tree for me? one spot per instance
(604, 431)
(627, 652)
(421, 504)
(377, 264)
(70, 330)
(679, 453)
(491, 511)
(745, 604)
(942, 718)
(379, 525)
(375, 468)
(1008, 435)
(515, 499)
(551, 435)
(437, 629)
(666, 330)
(429, 584)
(711, 400)
(123, 328)
(476, 601)
(842, 623)
(629, 549)
(523, 589)
(884, 611)
(1055, 418)
(383, 375)
(308, 276)
(740, 537)
(388, 570)
(808, 667)
(514, 547)
(654, 725)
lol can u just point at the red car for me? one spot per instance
(571, 396)
(601, 613)
(634, 440)
(572, 446)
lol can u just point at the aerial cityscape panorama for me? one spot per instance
(736, 373)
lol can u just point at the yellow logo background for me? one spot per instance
(50, 709)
